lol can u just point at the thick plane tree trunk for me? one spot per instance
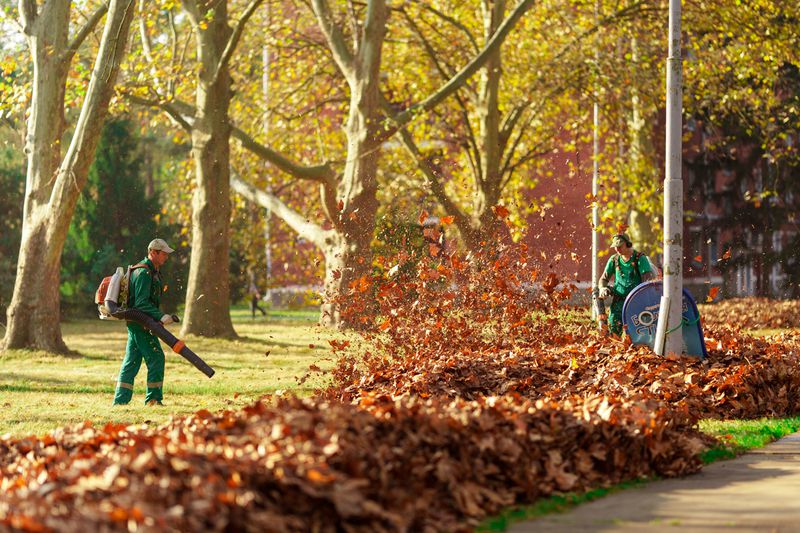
(208, 291)
(53, 183)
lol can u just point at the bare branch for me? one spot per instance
(626, 11)
(432, 55)
(510, 122)
(233, 41)
(336, 41)
(323, 174)
(295, 220)
(431, 175)
(508, 168)
(84, 32)
(509, 171)
(451, 21)
(147, 47)
(184, 113)
(177, 66)
(429, 171)
(464, 74)
(173, 109)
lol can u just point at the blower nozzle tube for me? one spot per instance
(158, 329)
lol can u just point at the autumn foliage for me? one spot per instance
(753, 313)
(469, 392)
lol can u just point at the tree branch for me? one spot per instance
(509, 171)
(295, 220)
(437, 188)
(147, 47)
(233, 41)
(173, 109)
(322, 174)
(336, 41)
(27, 14)
(84, 32)
(450, 20)
(463, 75)
(510, 122)
(75, 165)
(184, 113)
(625, 11)
(433, 56)
(428, 47)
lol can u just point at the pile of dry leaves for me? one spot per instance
(753, 313)
(303, 465)
(742, 377)
(467, 329)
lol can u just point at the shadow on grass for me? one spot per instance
(29, 355)
(83, 389)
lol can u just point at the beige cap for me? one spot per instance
(160, 244)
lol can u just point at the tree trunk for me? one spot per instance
(640, 165)
(208, 292)
(487, 228)
(335, 261)
(348, 253)
(53, 185)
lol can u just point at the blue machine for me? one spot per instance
(640, 317)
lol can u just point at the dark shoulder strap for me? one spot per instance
(634, 260)
(139, 265)
(130, 278)
(635, 257)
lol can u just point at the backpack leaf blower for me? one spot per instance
(107, 299)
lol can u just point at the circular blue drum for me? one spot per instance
(640, 317)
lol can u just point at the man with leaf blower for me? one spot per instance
(629, 268)
(145, 295)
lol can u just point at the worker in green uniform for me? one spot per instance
(628, 268)
(145, 294)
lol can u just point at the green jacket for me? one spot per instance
(626, 275)
(145, 290)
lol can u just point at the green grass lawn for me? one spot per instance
(41, 391)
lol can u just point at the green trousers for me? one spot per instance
(141, 345)
(615, 317)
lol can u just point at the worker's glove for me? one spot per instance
(168, 319)
(604, 292)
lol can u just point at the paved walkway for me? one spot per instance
(758, 491)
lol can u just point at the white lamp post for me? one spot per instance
(669, 337)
